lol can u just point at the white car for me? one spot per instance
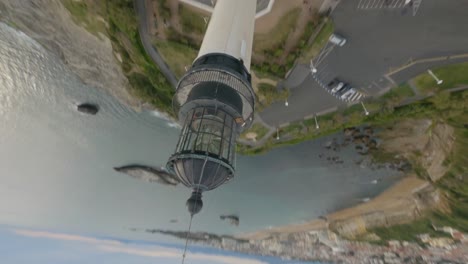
(338, 87)
(337, 40)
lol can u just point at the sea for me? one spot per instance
(56, 164)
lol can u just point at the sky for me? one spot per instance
(21, 246)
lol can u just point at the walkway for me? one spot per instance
(141, 7)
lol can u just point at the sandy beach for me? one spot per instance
(399, 197)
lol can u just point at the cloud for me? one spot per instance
(113, 246)
(65, 237)
(168, 253)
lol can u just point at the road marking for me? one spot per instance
(381, 3)
(386, 4)
(359, 4)
(416, 5)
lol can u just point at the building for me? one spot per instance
(215, 101)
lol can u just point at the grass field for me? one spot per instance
(82, 15)
(268, 94)
(276, 38)
(407, 232)
(319, 42)
(258, 129)
(453, 76)
(177, 55)
(401, 92)
(192, 22)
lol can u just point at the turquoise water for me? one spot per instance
(56, 164)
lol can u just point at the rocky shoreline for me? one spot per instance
(405, 201)
(89, 56)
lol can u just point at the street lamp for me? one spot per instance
(286, 102)
(316, 122)
(312, 68)
(439, 82)
(365, 109)
(277, 134)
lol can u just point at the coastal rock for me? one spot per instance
(149, 174)
(368, 130)
(87, 108)
(233, 219)
(372, 144)
(349, 131)
(423, 141)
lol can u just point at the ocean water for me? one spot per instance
(56, 164)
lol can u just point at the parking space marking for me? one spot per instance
(416, 4)
(383, 4)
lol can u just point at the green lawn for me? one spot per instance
(319, 42)
(453, 76)
(407, 232)
(81, 10)
(177, 55)
(267, 94)
(191, 21)
(276, 38)
(401, 92)
(257, 128)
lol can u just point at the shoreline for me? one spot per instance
(396, 198)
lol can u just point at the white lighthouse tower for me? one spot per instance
(215, 101)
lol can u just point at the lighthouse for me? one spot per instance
(215, 102)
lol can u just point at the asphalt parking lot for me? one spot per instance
(304, 101)
(379, 40)
(383, 39)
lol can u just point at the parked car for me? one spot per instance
(344, 90)
(337, 40)
(336, 85)
(333, 83)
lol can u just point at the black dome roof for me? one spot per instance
(203, 173)
(195, 203)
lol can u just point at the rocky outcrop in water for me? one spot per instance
(196, 236)
(233, 219)
(87, 108)
(149, 174)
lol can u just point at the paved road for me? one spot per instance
(419, 68)
(379, 39)
(140, 7)
(305, 100)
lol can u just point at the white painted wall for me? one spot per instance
(231, 30)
